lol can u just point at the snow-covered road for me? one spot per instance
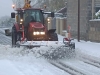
(4, 39)
(21, 61)
(7, 68)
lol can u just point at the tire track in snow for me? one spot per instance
(76, 67)
(66, 68)
(90, 60)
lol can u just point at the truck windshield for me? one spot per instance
(33, 15)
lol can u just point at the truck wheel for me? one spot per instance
(54, 37)
(29, 36)
(14, 36)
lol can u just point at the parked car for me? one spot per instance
(7, 32)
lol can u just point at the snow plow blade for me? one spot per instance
(41, 43)
(31, 44)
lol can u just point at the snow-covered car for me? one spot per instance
(8, 32)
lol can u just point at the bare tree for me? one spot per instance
(51, 5)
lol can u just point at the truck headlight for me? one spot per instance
(13, 6)
(34, 33)
(38, 33)
(21, 20)
(42, 33)
(48, 20)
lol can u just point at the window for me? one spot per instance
(34, 14)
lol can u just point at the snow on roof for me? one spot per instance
(62, 10)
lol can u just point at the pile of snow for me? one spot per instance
(54, 51)
(21, 61)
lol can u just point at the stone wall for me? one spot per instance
(94, 30)
(85, 16)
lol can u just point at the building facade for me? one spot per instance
(85, 16)
(97, 5)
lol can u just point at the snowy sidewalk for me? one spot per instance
(90, 48)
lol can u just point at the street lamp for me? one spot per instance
(78, 21)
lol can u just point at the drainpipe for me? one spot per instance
(92, 9)
(78, 21)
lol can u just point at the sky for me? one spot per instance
(5, 7)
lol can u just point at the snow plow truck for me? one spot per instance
(30, 28)
(30, 25)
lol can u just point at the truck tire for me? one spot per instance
(14, 36)
(54, 37)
